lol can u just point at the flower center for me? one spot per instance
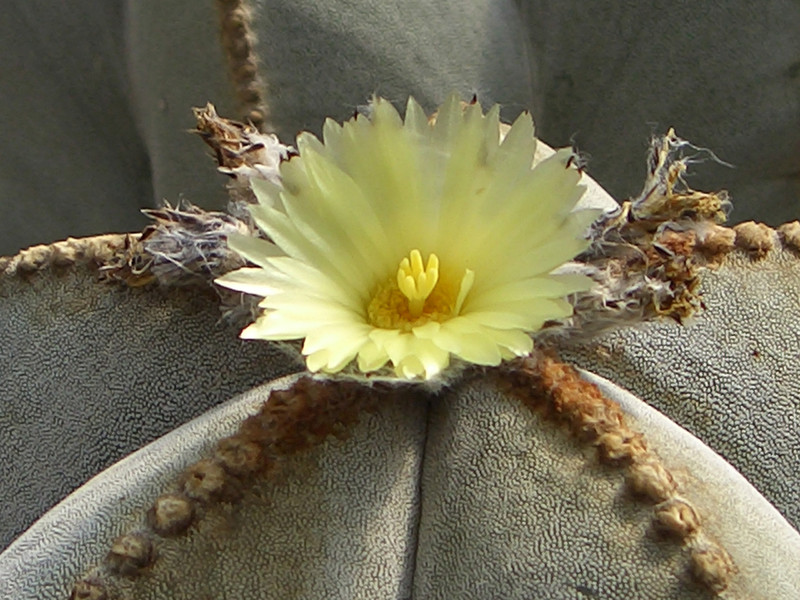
(417, 295)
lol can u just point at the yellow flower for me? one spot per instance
(411, 241)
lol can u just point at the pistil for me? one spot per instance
(416, 281)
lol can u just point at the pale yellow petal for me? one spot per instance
(519, 143)
(334, 358)
(465, 174)
(302, 241)
(266, 192)
(479, 349)
(298, 275)
(468, 341)
(333, 202)
(396, 344)
(526, 290)
(514, 214)
(313, 310)
(271, 326)
(340, 333)
(371, 357)
(331, 136)
(427, 331)
(254, 249)
(308, 142)
(317, 361)
(432, 358)
(250, 280)
(416, 121)
(515, 341)
(386, 162)
(410, 367)
(448, 121)
(491, 133)
(521, 315)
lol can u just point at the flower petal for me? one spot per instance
(254, 249)
(371, 357)
(516, 341)
(274, 326)
(249, 280)
(335, 334)
(527, 290)
(463, 339)
(521, 315)
(333, 358)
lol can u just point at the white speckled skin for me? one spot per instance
(730, 374)
(340, 520)
(464, 491)
(92, 371)
(466, 494)
(79, 530)
(760, 540)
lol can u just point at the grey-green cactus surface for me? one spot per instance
(730, 374)
(464, 493)
(430, 496)
(93, 370)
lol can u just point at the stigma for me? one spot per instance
(415, 295)
(416, 281)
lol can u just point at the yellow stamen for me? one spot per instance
(417, 295)
(417, 282)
